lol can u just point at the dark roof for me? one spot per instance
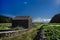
(21, 18)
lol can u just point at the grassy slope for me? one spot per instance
(51, 31)
(8, 26)
(29, 35)
(5, 26)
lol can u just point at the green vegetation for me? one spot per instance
(5, 26)
(18, 28)
(8, 26)
(51, 31)
(5, 19)
(29, 35)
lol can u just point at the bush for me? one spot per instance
(28, 35)
(52, 32)
(5, 26)
(18, 28)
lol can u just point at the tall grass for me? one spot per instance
(52, 32)
(8, 26)
(29, 35)
(5, 26)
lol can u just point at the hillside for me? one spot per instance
(5, 19)
(50, 31)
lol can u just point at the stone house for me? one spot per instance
(22, 21)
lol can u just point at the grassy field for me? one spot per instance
(8, 26)
(5, 26)
(51, 31)
(29, 35)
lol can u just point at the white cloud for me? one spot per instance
(42, 20)
(57, 2)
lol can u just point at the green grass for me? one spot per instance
(29, 35)
(8, 26)
(5, 26)
(51, 31)
(18, 28)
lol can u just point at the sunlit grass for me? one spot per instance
(28, 35)
(51, 31)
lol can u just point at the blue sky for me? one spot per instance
(35, 8)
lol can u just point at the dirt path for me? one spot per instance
(40, 34)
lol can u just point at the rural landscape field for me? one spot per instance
(51, 32)
(29, 19)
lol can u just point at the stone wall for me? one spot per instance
(11, 33)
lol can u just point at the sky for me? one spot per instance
(37, 9)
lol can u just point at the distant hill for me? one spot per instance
(5, 19)
(55, 18)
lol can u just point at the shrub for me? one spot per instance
(28, 35)
(52, 32)
(18, 28)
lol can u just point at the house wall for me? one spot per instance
(30, 23)
(21, 23)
